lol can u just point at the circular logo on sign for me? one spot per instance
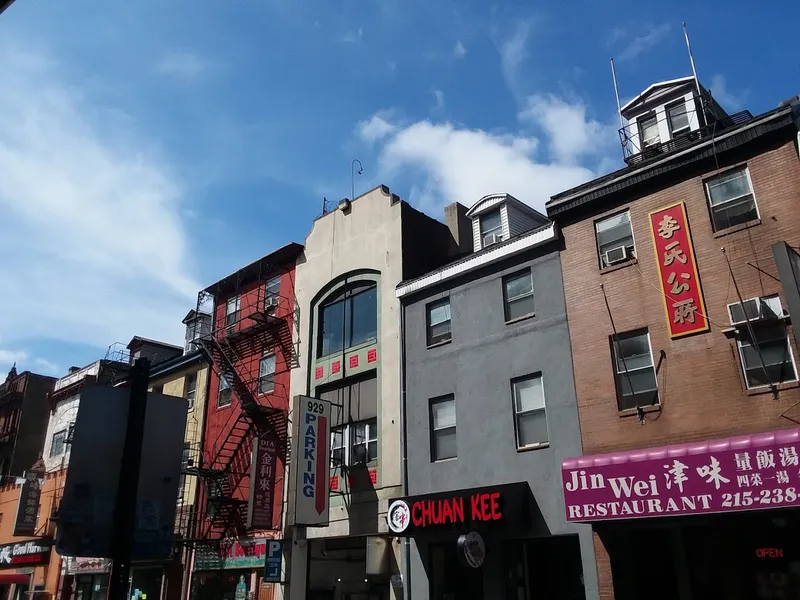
(472, 546)
(399, 516)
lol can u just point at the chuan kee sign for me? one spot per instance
(313, 444)
(752, 472)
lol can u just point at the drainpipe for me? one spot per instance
(403, 447)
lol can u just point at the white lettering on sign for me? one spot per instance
(313, 443)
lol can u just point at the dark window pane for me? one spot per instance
(637, 382)
(363, 317)
(532, 428)
(444, 443)
(519, 308)
(332, 328)
(734, 213)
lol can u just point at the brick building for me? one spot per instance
(681, 281)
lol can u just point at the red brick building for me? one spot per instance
(681, 281)
(241, 478)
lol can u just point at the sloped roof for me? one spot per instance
(670, 83)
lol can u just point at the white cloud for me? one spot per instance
(459, 50)
(571, 135)
(9, 357)
(439, 96)
(513, 53)
(183, 64)
(642, 43)
(45, 367)
(91, 229)
(464, 164)
(375, 128)
(728, 100)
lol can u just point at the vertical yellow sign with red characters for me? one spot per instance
(677, 271)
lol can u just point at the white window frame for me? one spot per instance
(668, 109)
(190, 393)
(222, 388)
(507, 301)
(739, 347)
(271, 290)
(640, 126)
(752, 193)
(495, 230)
(618, 373)
(597, 222)
(236, 303)
(267, 376)
(346, 441)
(433, 430)
(522, 413)
(185, 457)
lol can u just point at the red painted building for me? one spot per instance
(251, 351)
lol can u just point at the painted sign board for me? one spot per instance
(313, 461)
(29, 496)
(264, 482)
(750, 472)
(677, 271)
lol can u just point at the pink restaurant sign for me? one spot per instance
(751, 472)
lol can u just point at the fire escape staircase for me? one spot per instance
(226, 514)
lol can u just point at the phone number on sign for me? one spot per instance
(776, 496)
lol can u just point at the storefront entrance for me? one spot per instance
(91, 587)
(449, 578)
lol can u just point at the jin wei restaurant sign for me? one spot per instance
(677, 271)
(752, 472)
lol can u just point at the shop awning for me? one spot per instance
(750, 472)
(9, 578)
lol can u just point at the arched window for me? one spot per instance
(348, 318)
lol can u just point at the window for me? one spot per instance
(158, 389)
(266, 374)
(184, 467)
(443, 428)
(615, 239)
(58, 446)
(648, 131)
(529, 410)
(350, 320)
(190, 389)
(678, 118)
(354, 444)
(491, 224)
(232, 310)
(224, 396)
(772, 341)
(518, 292)
(273, 294)
(634, 371)
(439, 322)
(730, 196)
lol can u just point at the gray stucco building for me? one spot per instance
(489, 413)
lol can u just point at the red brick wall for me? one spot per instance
(700, 383)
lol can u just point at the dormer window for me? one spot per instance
(648, 131)
(678, 119)
(491, 228)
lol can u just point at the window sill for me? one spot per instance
(444, 460)
(632, 412)
(439, 344)
(612, 268)
(224, 406)
(765, 389)
(520, 319)
(531, 447)
(735, 228)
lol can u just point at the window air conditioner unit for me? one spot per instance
(491, 239)
(271, 301)
(755, 309)
(616, 255)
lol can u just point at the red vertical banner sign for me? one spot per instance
(263, 476)
(677, 271)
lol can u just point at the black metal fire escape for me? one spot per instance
(231, 347)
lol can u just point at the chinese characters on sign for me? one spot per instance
(677, 270)
(28, 508)
(263, 481)
(745, 473)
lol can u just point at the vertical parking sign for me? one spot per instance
(273, 561)
(313, 460)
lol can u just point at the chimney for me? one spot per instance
(73, 369)
(460, 226)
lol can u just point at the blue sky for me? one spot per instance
(148, 148)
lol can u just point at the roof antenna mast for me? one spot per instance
(616, 93)
(694, 74)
